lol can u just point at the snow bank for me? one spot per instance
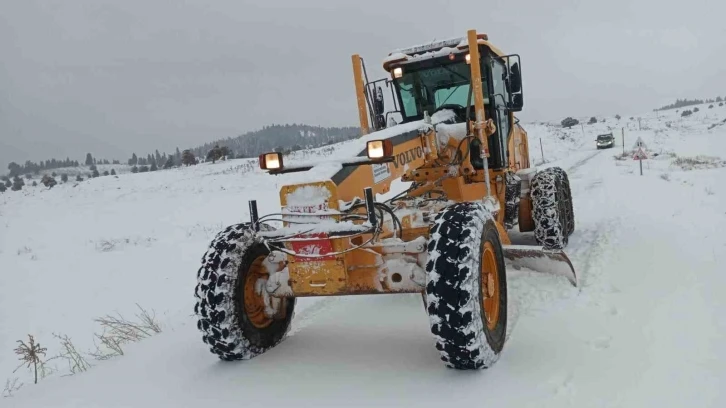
(650, 299)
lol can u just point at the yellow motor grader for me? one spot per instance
(465, 160)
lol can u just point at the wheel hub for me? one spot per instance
(490, 286)
(259, 306)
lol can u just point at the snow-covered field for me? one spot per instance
(644, 328)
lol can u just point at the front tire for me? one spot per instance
(230, 303)
(466, 291)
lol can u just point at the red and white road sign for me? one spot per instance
(640, 154)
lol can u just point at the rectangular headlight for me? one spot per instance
(270, 161)
(379, 149)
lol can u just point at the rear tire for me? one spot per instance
(565, 180)
(466, 291)
(550, 209)
(227, 307)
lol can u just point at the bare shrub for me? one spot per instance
(207, 230)
(622, 156)
(30, 354)
(107, 245)
(11, 386)
(699, 162)
(109, 347)
(24, 250)
(117, 331)
(76, 362)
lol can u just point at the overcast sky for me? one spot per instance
(116, 77)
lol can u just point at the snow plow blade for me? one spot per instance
(539, 260)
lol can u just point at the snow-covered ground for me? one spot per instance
(644, 328)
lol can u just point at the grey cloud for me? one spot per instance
(116, 77)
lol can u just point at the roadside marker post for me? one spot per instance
(640, 155)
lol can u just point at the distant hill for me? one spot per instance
(280, 138)
(680, 103)
(286, 138)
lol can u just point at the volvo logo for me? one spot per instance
(408, 156)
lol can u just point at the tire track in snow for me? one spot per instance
(592, 244)
(589, 244)
(310, 313)
(573, 169)
(596, 242)
(533, 292)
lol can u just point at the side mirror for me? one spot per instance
(378, 107)
(517, 102)
(513, 82)
(515, 78)
(378, 103)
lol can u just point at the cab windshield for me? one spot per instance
(427, 89)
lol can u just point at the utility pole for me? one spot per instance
(623, 141)
(541, 149)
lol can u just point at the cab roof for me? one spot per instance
(435, 49)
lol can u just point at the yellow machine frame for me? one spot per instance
(357, 264)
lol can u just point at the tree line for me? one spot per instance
(281, 138)
(679, 103)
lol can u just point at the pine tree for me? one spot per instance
(89, 159)
(18, 184)
(214, 154)
(223, 152)
(188, 158)
(48, 181)
(14, 169)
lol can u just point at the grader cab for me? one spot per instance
(466, 161)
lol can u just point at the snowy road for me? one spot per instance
(644, 328)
